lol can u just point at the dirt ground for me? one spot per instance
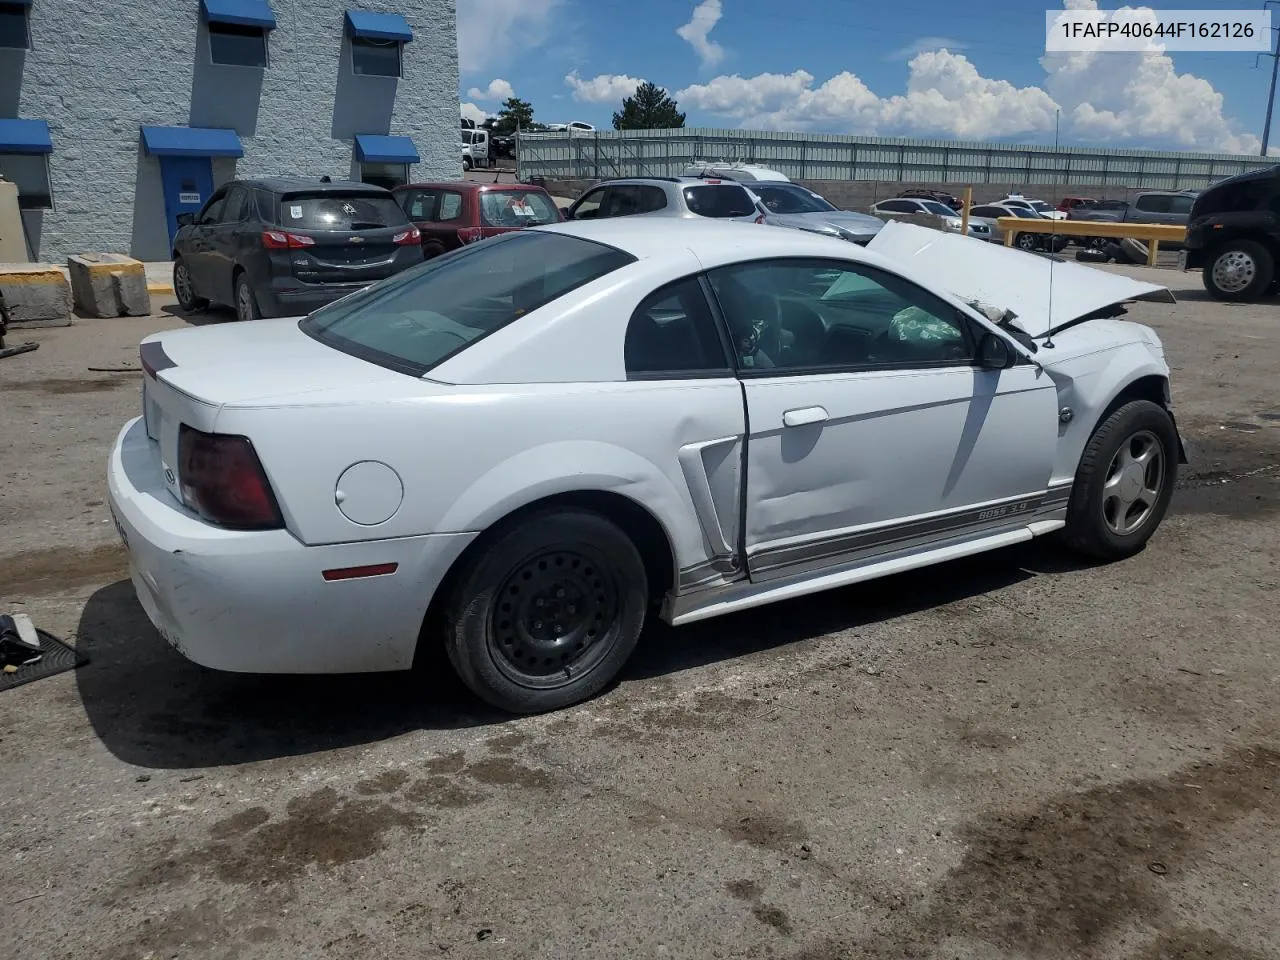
(1006, 757)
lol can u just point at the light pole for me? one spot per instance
(1271, 97)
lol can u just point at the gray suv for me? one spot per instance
(686, 197)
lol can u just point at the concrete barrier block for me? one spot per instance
(37, 295)
(109, 285)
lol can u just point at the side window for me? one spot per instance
(672, 334)
(993, 212)
(651, 199)
(234, 210)
(1152, 203)
(622, 202)
(899, 206)
(588, 207)
(433, 205)
(809, 315)
(212, 213)
(1180, 204)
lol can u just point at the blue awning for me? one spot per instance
(246, 13)
(25, 136)
(379, 26)
(374, 149)
(191, 142)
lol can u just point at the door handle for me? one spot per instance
(803, 416)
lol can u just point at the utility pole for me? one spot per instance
(1271, 97)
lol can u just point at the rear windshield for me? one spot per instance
(719, 200)
(338, 211)
(517, 208)
(414, 320)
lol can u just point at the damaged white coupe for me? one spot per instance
(526, 449)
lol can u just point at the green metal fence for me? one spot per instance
(575, 155)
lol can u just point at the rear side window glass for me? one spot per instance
(719, 200)
(1180, 204)
(426, 314)
(432, 205)
(1153, 203)
(517, 208)
(336, 211)
(672, 334)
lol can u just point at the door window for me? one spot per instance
(431, 204)
(899, 206)
(814, 315)
(1152, 203)
(235, 208)
(673, 334)
(212, 213)
(1180, 204)
(588, 207)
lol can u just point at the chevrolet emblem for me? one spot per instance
(357, 239)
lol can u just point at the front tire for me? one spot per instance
(184, 290)
(1124, 482)
(1026, 241)
(547, 614)
(1240, 271)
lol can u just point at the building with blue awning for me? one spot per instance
(129, 115)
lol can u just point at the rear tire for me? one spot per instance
(548, 612)
(184, 291)
(1124, 482)
(247, 309)
(1240, 271)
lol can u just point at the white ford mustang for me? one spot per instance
(522, 449)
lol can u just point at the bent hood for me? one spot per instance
(1010, 279)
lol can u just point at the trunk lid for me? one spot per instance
(189, 375)
(1010, 279)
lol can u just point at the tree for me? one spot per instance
(514, 113)
(649, 108)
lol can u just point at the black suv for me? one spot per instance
(1233, 236)
(283, 247)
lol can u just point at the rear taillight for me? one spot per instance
(470, 234)
(222, 480)
(407, 237)
(280, 240)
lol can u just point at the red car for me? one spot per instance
(458, 212)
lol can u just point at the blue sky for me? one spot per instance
(938, 68)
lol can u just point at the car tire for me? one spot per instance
(432, 250)
(1026, 241)
(184, 291)
(1120, 496)
(246, 304)
(547, 612)
(1239, 271)
(467, 164)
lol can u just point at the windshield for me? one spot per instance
(1040, 205)
(941, 209)
(339, 211)
(779, 199)
(517, 208)
(424, 315)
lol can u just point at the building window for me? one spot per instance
(30, 172)
(14, 31)
(389, 175)
(376, 58)
(236, 45)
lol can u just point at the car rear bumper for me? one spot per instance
(258, 601)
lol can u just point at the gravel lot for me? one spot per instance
(1006, 757)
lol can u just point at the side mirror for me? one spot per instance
(994, 353)
(186, 219)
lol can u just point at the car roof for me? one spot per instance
(712, 241)
(310, 184)
(468, 185)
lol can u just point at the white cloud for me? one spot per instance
(705, 16)
(1124, 99)
(925, 45)
(498, 89)
(471, 112)
(604, 88)
(492, 31)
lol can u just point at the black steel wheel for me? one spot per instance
(547, 612)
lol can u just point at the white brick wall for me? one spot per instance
(99, 71)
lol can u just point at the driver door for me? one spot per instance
(200, 252)
(872, 429)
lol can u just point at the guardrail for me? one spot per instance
(1152, 233)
